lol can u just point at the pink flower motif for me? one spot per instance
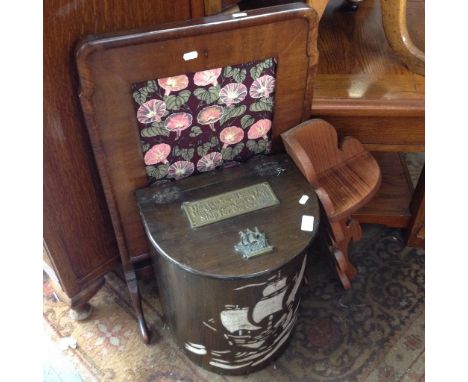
(178, 122)
(180, 169)
(173, 84)
(262, 87)
(207, 77)
(151, 111)
(157, 154)
(209, 162)
(231, 135)
(233, 93)
(109, 335)
(209, 115)
(259, 129)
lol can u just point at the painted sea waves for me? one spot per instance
(196, 122)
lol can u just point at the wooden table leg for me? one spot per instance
(415, 235)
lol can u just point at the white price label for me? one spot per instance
(307, 223)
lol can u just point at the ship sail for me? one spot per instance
(236, 319)
(268, 306)
(272, 302)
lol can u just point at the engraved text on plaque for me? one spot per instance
(229, 204)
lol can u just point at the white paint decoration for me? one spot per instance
(268, 305)
(236, 319)
(307, 223)
(209, 326)
(274, 286)
(259, 330)
(223, 366)
(195, 348)
(249, 286)
(297, 284)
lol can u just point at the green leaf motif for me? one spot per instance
(257, 147)
(151, 86)
(256, 71)
(214, 141)
(239, 75)
(156, 128)
(227, 72)
(207, 95)
(202, 94)
(246, 121)
(237, 149)
(264, 104)
(185, 94)
(267, 63)
(145, 146)
(140, 96)
(171, 102)
(232, 113)
(226, 152)
(157, 172)
(195, 131)
(229, 153)
(176, 151)
(203, 149)
(187, 154)
(174, 102)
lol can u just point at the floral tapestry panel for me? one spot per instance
(196, 122)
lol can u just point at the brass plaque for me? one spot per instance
(229, 204)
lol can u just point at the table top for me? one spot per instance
(209, 249)
(356, 62)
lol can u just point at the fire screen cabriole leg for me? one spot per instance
(135, 297)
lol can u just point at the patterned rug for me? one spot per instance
(373, 332)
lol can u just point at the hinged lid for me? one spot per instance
(110, 65)
(211, 249)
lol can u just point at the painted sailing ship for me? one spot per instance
(256, 333)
